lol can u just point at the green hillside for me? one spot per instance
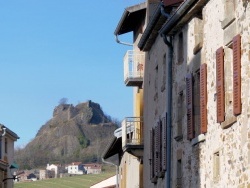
(82, 181)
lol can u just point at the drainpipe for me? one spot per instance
(165, 14)
(4, 131)
(124, 43)
(169, 107)
(117, 171)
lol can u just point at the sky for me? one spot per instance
(54, 49)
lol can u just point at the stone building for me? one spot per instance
(196, 93)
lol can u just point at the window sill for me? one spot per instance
(229, 121)
(198, 139)
(197, 48)
(227, 21)
(178, 138)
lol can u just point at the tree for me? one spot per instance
(63, 101)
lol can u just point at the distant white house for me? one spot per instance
(57, 169)
(76, 168)
(110, 183)
(93, 168)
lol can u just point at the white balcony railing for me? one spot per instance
(133, 65)
(132, 131)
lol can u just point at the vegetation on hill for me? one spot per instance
(74, 133)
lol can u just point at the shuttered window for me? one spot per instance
(220, 85)
(157, 148)
(237, 75)
(190, 119)
(164, 143)
(160, 147)
(151, 134)
(203, 97)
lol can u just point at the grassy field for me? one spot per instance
(83, 181)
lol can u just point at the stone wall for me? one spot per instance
(220, 157)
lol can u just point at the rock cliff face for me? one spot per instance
(75, 133)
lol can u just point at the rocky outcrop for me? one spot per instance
(74, 133)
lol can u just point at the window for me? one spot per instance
(164, 75)
(6, 145)
(196, 97)
(152, 156)
(198, 33)
(228, 65)
(196, 103)
(158, 150)
(180, 49)
(180, 115)
(156, 83)
(189, 95)
(229, 13)
(179, 174)
(216, 168)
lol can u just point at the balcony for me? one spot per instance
(134, 68)
(132, 136)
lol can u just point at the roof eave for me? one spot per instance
(128, 12)
(181, 16)
(113, 148)
(149, 29)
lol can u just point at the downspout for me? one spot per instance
(169, 107)
(124, 43)
(179, 13)
(165, 14)
(117, 171)
(4, 131)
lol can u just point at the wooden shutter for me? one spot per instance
(190, 118)
(203, 97)
(156, 147)
(237, 75)
(164, 143)
(151, 135)
(220, 85)
(160, 145)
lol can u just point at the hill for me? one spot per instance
(74, 133)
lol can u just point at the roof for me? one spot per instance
(113, 148)
(130, 18)
(151, 31)
(93, 166)
(110, 182)
(10, 132)
(75, 163)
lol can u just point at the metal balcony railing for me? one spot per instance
(132, 131)
(133, 65)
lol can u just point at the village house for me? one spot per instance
(7, 139)
(58, 169)
(76, 168)
(93, 168)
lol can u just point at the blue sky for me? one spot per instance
(51, 49)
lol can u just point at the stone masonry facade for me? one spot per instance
(211, 146)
